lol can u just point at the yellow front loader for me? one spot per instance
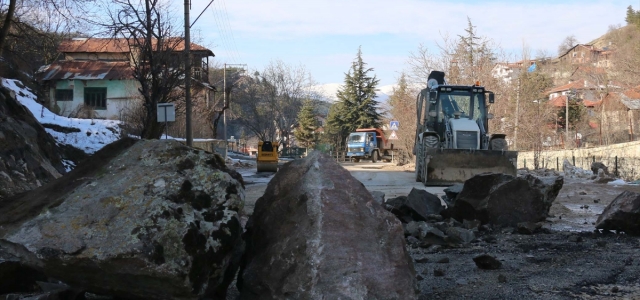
(267, 160)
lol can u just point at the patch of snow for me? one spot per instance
(93, 133)
(617, 182)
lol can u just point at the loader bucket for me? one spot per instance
(451, 166)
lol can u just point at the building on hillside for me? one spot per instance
(581, 88)
(587, 54)
(97, 75)
(509, 71)
(619, 116)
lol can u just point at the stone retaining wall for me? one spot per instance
(623, 158)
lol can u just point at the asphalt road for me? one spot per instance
(384, 177)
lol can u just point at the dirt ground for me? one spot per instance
(571, 261)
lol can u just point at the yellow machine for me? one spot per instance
(267, 160)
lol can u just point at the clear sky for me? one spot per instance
(324, 35)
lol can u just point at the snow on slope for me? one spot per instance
(329, 90)
(91, 135)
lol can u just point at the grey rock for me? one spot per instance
(444, 260)
(160, 220)
(595, 166)
(528, 227)
(378, 196)
(502, 278)
(622, 214)
(417, 206)
(575, 238)
(471, 225)
(317, 233)
(29, 156)
(506, 200)
(603, 177)
(452, 192)
(487, 262)
(458, 235)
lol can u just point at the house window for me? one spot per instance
(64, 95)
(95, 98)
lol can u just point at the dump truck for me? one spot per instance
(267, 159)
(369, 143)
(453, 140)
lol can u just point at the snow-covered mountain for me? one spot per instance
(329, 90)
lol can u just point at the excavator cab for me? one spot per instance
(267, 160)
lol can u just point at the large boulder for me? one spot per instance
(317, 233)
(158, 221)
(596, 165)
(622, 214)
(506, 200)
(417, 206)
(29, 157)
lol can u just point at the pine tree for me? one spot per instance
(307, 125)
(357, 97)
(633, 16)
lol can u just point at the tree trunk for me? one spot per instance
(7, 24)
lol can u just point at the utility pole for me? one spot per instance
(566, 123)
(187, 72)
(224, 110)
(225, 103)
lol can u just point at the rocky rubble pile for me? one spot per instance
(483, 203)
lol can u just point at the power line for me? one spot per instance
(233, 38)
(224, 35)
(221, 34)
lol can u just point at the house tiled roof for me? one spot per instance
(118, 45)
(85, 70)
(561, 101)
(633, 93)
(579, 84)
(558, 101)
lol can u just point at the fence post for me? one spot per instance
(616, 166)
(557, 164)
(574, 160)
(525, 163)
(594, 158)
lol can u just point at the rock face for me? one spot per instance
(29, 157)
(506, 200)
(623, 214)
(159, 221)
(317, 233)
(417, 206)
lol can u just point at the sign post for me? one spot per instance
(166, 112)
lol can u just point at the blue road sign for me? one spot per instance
(393, 125)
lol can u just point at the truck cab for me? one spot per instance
(361, 145)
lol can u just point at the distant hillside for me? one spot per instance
(329, 91)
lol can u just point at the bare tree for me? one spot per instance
(465, 60)
(147, 29)
(403, 110)
(268, 103)
(568, 43)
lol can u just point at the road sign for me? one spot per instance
(393, 125)
(166, 112)
(393, 135)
